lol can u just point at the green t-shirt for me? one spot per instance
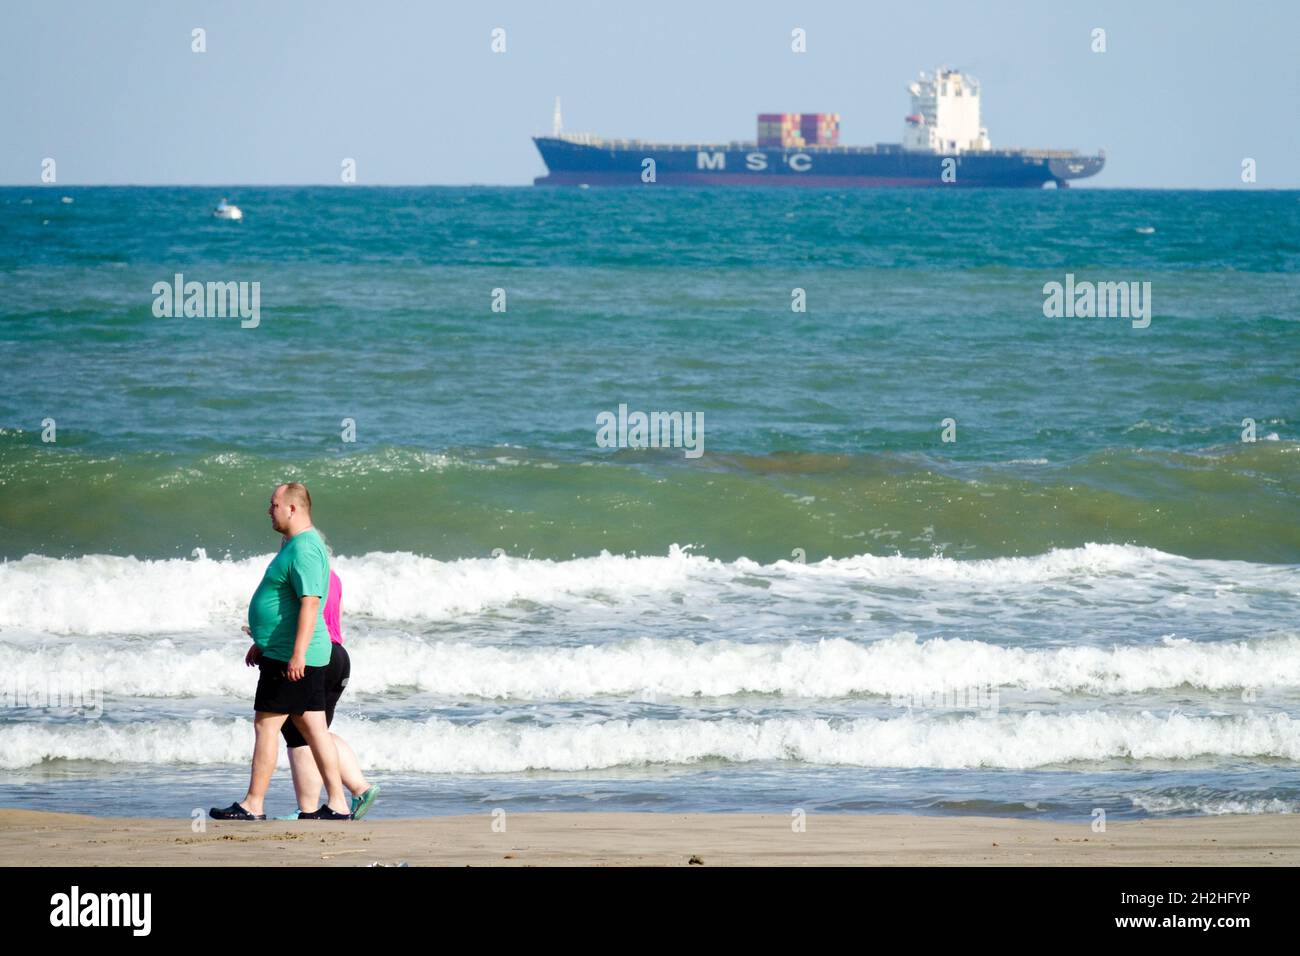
(301, 569)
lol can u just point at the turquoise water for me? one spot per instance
(691, 614)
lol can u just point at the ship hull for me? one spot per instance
(572, 163)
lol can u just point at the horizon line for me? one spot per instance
(54, 187)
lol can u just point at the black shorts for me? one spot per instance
(276, 694)
(337, 673)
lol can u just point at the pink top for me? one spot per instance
(332, 608)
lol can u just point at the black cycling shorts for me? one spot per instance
(337, 673)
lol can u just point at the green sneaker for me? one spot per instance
(361, 805)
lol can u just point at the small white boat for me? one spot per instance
(225, 210)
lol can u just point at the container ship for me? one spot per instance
(943, 145)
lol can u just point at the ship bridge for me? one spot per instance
(945, 115)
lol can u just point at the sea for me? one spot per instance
(898, 538)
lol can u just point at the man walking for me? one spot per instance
(292, 649)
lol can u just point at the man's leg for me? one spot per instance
(266, 749)
(316, 732)
(306, 778)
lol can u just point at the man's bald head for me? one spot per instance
(290, 509)
(296, 493)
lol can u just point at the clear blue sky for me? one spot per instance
(413, 92)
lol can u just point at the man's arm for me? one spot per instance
(308, 611)
(254, 653)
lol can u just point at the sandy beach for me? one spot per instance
(29, 838)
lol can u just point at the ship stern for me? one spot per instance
(1075, 167)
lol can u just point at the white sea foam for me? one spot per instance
(100, 594)
(437, 745)
(830, 668)
(1212, 805)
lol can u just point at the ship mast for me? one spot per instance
(556, 124)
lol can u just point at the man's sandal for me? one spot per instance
(235, 812)
(324, 813)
